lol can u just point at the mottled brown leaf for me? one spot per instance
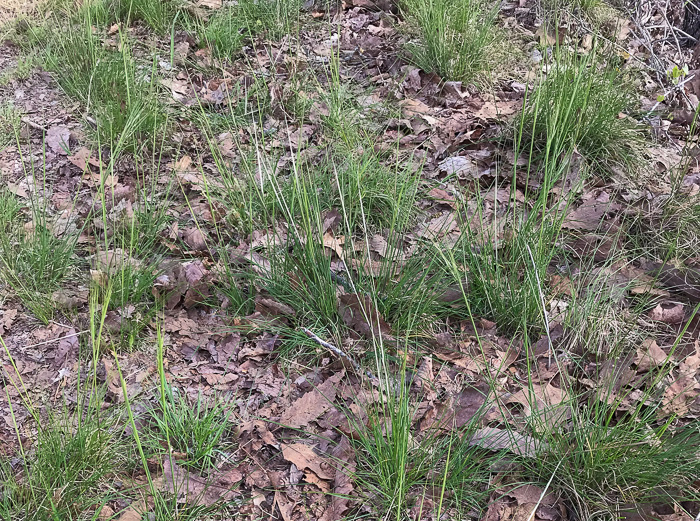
(312, 404)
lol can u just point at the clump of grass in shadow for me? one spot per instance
(453, 36)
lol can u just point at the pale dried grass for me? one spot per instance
(11, 9)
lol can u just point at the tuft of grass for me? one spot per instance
(10, 121)
(65, 474)
(403, 471)
(198, 430)
(579, 104)
(670, 231)
(117, 91)
(504, 278)
(605, 461)
(21, 71)
(228, 29)
(34, 260)
(557, 6)
(453, 36)
(159, 15)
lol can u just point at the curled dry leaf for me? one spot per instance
(111, 261)
(7, 316)
(461, 166)
(305, 458)
(424, 373)
(668, 312)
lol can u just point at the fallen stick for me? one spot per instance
(338, 352)
(33, 125)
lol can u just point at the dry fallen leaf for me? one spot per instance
(649, 355)
(543, 402)
(58, 139)
(494, 439)
(344, 458)
(360, 315)
(304, 458)
(194, 489)
(312, 404)
(668, 312)
(83, 157)
(7, 316)
(194, 238)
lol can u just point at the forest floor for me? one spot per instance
(369, 259)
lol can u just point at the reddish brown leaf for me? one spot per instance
(313, 404)
(305, 458)
(668, 312)
(359, 314)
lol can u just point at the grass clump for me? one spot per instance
(65, 474)
(21, 71)
(403, 471)
(10, 121)
(579, 105)
(605, 462)
(34, 261)
(670, 231)
(118, 91)
(228, 29)
(504, 277)
(453, 36)
(556, 6)
(196, 430)
(159, 15)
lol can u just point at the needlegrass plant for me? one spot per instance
(403, 471)
(117, 91)
(453, 37)
(35, 257)
(197, 429)
(605, 461)
(578, 104)
(64, 476)
(230, 28)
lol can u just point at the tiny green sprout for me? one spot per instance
(660, 98)
(675, 75)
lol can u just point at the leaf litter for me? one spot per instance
(295, 443)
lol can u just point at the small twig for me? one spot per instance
(670, 90)
(544, 310)
(33, 125)
(338, 352)
(56, 339)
